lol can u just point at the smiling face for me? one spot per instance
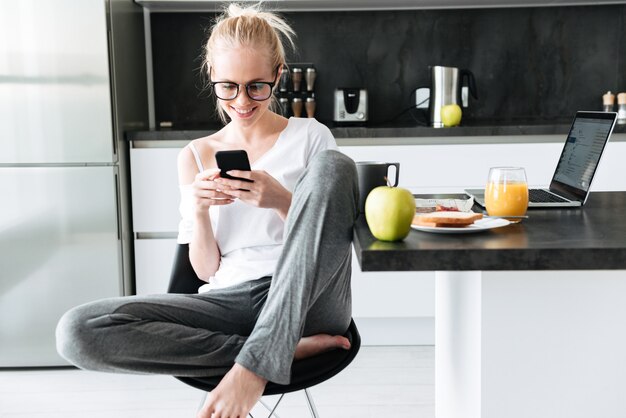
(243, 65)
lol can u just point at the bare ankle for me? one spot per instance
(317, 344)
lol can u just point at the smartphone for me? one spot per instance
(232, 160)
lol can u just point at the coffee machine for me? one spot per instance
(446, 87)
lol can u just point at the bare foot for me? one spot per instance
(235, 396)
(319, 343)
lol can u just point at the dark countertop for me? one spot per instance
(398, 130)
(486, 128)
(587, 238)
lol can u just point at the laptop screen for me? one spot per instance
(582, 151)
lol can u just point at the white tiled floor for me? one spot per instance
(381, 382)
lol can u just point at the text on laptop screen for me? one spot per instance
(582, 152)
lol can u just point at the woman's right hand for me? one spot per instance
(206, 192)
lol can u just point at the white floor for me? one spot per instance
(381, 382)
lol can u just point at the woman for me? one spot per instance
(275, 251)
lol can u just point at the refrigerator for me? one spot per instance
(65, 103)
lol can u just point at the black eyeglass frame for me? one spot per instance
(270, 84)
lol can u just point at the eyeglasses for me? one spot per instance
(257, 90)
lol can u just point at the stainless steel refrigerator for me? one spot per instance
(64, 104)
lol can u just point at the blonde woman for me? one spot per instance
(275, 251)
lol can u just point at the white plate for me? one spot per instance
(480, 225)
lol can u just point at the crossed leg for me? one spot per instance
(204, 335)
(310, 291)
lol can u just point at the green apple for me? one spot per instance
(389, 212)
(451, 115)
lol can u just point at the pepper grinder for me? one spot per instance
(296, 106)
(284, 79)
(310, 78)
(310, 107)
(284, 106)
(608, 100)
(621, 110)
(296, 78)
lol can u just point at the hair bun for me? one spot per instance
(236, 10)
(255, 11)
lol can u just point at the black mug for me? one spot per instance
(371, 175)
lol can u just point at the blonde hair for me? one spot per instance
(249, 27)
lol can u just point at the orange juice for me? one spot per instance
(506, 198)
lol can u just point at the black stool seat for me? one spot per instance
(304, 373)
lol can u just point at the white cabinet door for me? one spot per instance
(153, 265)
(388, 294)
(451, 168)
(154, 184)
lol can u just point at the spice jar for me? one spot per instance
(608, 101)
(284, 106)
(296, 78)
(310, 107)
(621, 109)
(296, 106)
(310, 78)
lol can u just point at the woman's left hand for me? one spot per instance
(264, 191)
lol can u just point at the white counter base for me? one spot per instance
(530, 344)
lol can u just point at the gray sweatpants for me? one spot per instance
(256, 324)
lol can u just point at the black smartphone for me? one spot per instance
(232, 160)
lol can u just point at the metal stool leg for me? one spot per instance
(272, 410)
(311, 404)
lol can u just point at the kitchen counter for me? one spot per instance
(526, 311)
(407, 134)
(591, 237)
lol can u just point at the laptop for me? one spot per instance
(577, 165)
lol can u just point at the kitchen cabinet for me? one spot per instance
(384, 303)
(154, 195)
(154, 185)
(153, 263)
(451, 167)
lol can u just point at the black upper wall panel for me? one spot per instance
(530, 63)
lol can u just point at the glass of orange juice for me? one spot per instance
(507, 192)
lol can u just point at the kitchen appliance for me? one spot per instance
(350, 105)
(446, 87)
(64, 236)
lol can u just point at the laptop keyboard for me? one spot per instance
(542, 196)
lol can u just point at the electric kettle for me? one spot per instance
(446, 87)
